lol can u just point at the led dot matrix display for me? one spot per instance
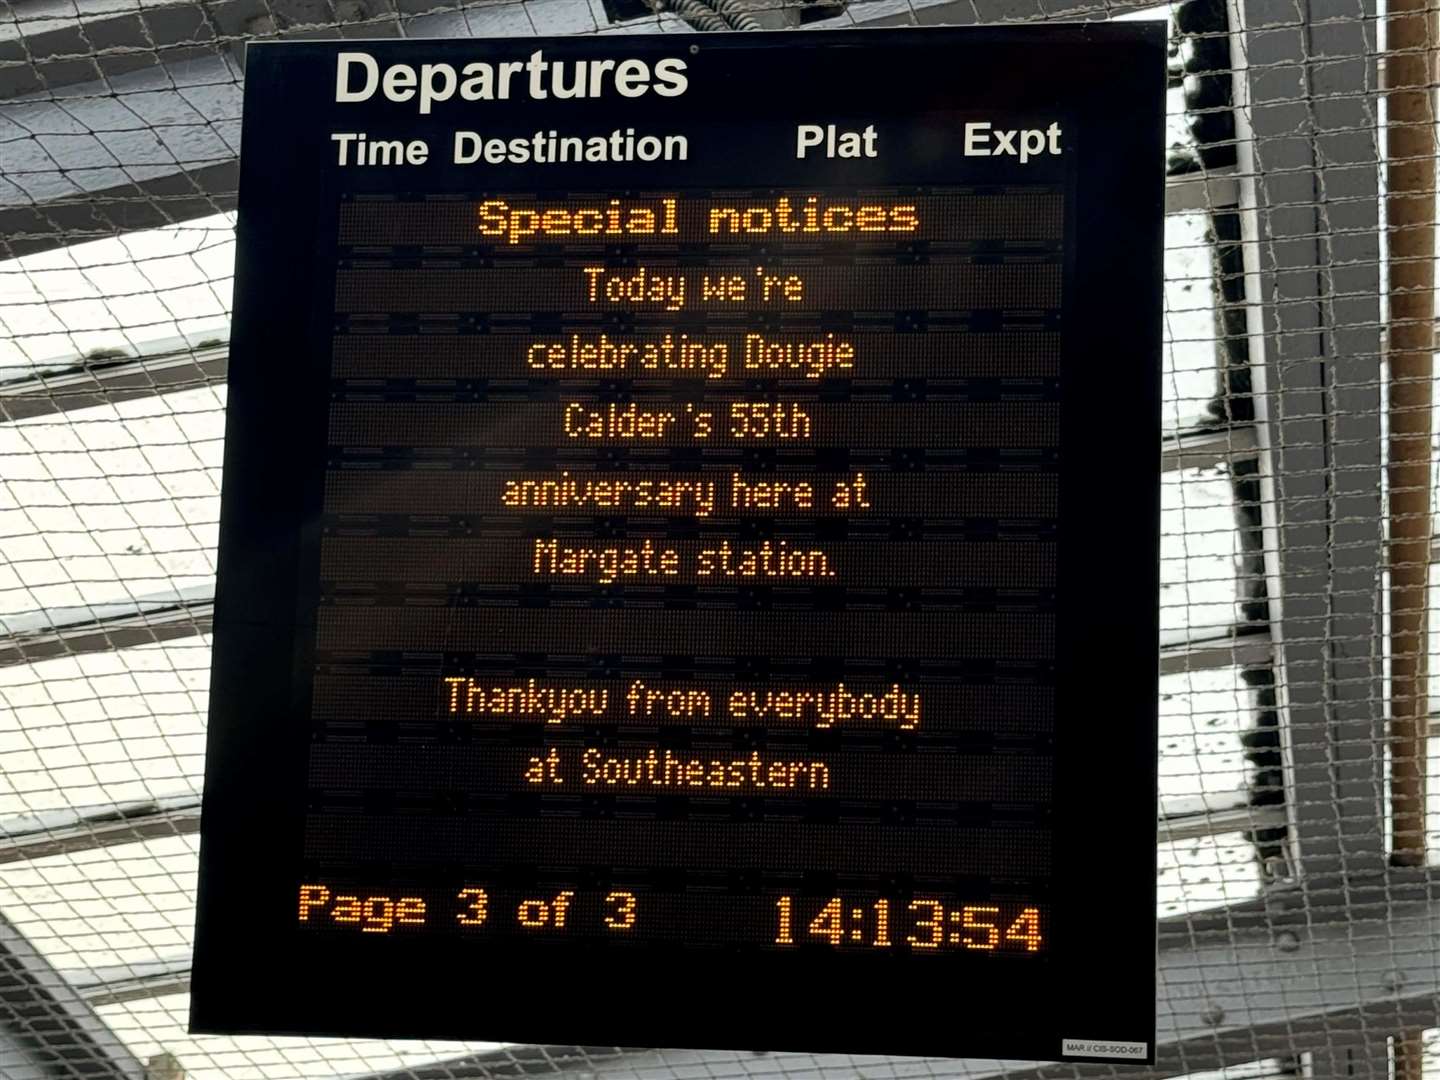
(678, 557)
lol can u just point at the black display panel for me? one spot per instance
(689, 545)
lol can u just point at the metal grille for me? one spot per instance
(1299, 922)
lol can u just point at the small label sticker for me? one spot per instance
(1099, 1048)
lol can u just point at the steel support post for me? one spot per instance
(1306, 88)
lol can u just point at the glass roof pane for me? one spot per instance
(1190, 358)
(519, 17)
(157, 1025)
(128, 907)
(104, 728)
(1203, 715)
(150, 291)
(1199, 545)
(112, 505)
(1209, 872)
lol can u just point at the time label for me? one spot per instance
(920, 923)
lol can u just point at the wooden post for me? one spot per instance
(1410, 205)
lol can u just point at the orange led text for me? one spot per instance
(516, 224)
(813, 218)
(524, 701)
(372, 914)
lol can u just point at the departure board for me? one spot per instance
(688, 560)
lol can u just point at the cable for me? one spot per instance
(735, 14)
(711, 14)
(697, 15)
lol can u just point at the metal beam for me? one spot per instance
(1198, 192)
(1305, 87)
(109, 383)
(1206, 449)
(136, 982)
(119, 825)
(1177, 823)
(1240, 648)
(64, 212)
(103, 635)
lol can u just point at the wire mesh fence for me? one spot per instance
(1295, 606)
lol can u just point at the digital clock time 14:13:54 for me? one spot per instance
(920, 923)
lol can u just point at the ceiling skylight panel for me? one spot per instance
(139, 293)
(103, 729)
(130, 907)
(1190, 356)
(1207, 872)
(119, 505)
(1199, 548)
(158, 1025)
(1177, 128)
(1203, 715)
(563, 17)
